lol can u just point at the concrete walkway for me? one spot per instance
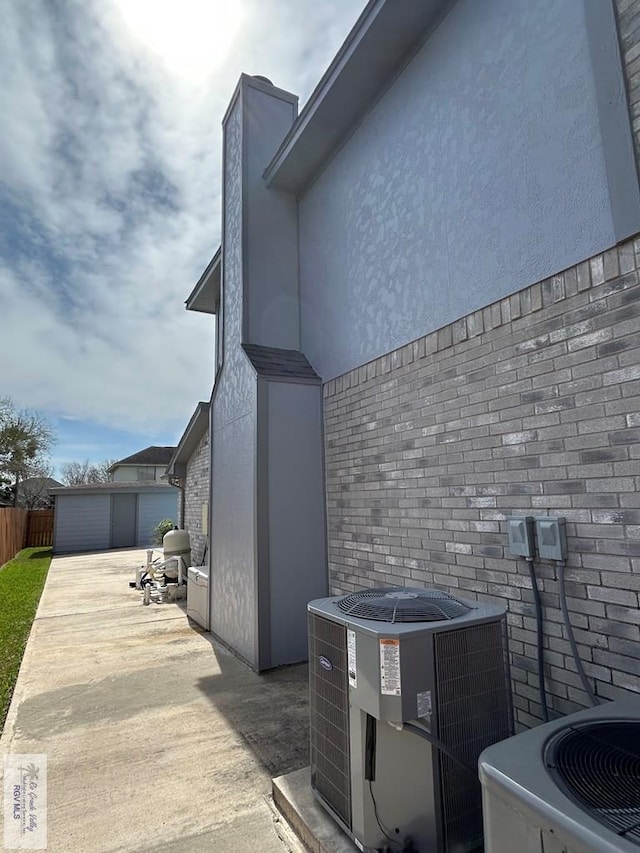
(157, 738)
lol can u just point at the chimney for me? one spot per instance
(257, 121)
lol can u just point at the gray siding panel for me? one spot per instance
(297, 550)
(153, 508)
(82, 523)
(233, 557)
(271, 247)
(482, 170)
(233, 438)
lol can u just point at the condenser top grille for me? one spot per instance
(598, 765)
(403, 605)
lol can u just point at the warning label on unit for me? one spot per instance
(424, 704)
(390, 667)
(351, 658)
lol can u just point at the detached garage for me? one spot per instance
(110, 515)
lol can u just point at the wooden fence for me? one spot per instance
(39, 528)
(23, 528)
(13, 532)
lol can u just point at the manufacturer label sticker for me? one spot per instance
(424, 704)
(390, 683)
(351, 658)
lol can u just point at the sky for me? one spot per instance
(110, 198)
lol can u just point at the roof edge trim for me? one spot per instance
(383, 39)
(205, 296)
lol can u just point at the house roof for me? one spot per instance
(196, 428)
(113, 486)
(280, 363)
(149, 456)
(386, 35)
(33, 484)
(205, 296)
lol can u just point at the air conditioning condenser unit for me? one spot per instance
(569, 786)
(407, 687)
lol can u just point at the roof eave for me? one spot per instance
(385, 36)
(115, 465)
(105, 488)
(205, 296)
(194, 431)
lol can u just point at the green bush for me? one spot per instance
(163, 527)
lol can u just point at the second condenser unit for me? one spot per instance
(569, 786)
(407, 687)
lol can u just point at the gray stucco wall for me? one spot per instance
(485, 167)
(82, 523)
(152, 509)
(297, 548)
(233, 419)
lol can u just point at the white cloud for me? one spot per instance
(110, 200)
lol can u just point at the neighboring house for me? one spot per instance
(33, 492)
(189, 471)
(98, 516)
(427, 320)
(146, 465)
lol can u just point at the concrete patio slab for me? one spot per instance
(157, 738)
(292, 795)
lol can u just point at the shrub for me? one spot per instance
(161, 528)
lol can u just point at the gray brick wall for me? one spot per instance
(196, 493)
(529, 406)
(628, 13)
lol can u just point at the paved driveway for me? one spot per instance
(157, 738)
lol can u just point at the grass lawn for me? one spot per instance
(21, 583)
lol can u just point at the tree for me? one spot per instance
(25, 440)
(33, 491)
(101, 470)
(83, 473)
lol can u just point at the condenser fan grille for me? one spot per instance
(598, 765)
(403, 605)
